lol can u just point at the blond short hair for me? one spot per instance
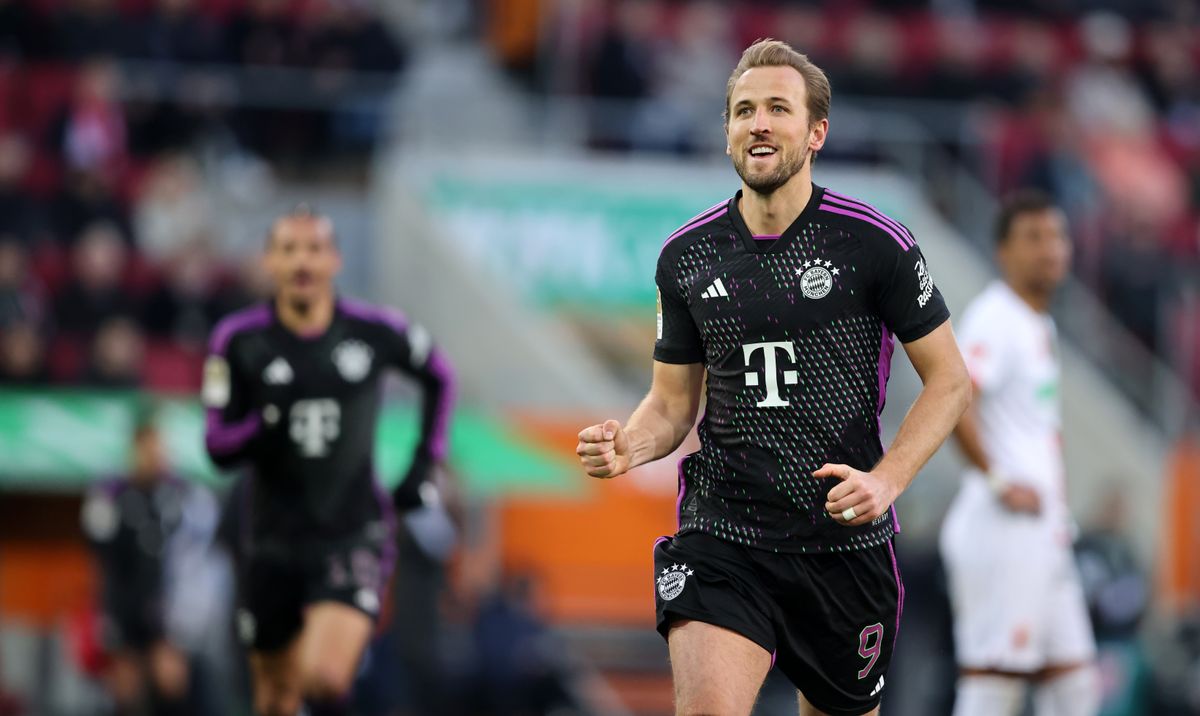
(777, 53)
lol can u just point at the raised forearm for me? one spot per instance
(658, 426)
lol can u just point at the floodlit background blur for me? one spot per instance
(504, 171)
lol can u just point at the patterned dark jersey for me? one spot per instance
(795, 333)
(302, 412)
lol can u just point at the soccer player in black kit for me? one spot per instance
(292, 389)
(787, 297)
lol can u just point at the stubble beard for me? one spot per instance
(300, 305)
(766, 184)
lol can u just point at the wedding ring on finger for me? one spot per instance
(849, 514)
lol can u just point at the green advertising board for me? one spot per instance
(580, 242)
(58, 440)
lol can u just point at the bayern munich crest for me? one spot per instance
(353, 360)
(672, 580)
(816, 278)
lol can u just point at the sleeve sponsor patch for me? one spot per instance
(214, 393)
(925, 283)
(420, 343)
(100, 517)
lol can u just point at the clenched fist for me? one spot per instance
(604, 449)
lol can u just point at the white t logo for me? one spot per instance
(314, 424)
(790, 377)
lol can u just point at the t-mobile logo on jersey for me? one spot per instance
(315, 424)
(771, 373)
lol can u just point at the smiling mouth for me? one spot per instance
(762, 150)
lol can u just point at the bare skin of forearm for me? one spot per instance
(932, 416)
(966, 434)
(657, 427)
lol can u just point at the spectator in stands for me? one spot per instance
(90, 136)
(261, 35)
(183, 44)
(960, 70)
(91, 129)
(874, 52)
(806, 27)
(1033, 56)
(185, 307)
(1136, 279)
(519, 667)
(87, 28)
(173, 208)
(117, 355)
(343, 37)
(345, 34)
(175, 31)
(18, 211)
(21, 297)
(1050, 145)
(690, 76)
(20, 36)
(87, 198)
(22, 355)
(99, 262)
(619, 70)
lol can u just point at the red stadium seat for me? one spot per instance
(66, 359)
(45, 90)
(172, 368)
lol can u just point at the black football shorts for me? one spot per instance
(828, 619)
(278, 581)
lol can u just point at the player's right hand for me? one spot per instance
(604, 449)
(1018, 497)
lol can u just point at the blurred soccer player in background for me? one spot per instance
(292, 388)
(135, 525)
(1019, 611)
(787, 298)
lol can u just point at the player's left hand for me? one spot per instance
(407, 495)
(869, 494)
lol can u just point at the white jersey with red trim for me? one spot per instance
(1012, 354)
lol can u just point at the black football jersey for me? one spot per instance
(135, 530)
(302, 412)
(796, 336)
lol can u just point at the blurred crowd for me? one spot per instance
(111, 270)
(1097, 102)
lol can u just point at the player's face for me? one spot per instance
(149, 459)
(769, 134)
(1037, 253)
(302, 259)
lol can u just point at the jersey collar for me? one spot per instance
(756, 246)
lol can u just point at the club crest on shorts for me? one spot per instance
(367, 600)
(672, 580)
(816, 278)
(247, 626)
(353, 360)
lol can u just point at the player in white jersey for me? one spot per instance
(1019, 614)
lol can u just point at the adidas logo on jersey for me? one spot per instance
(878, 687)
(715, 290)
(278, 372)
